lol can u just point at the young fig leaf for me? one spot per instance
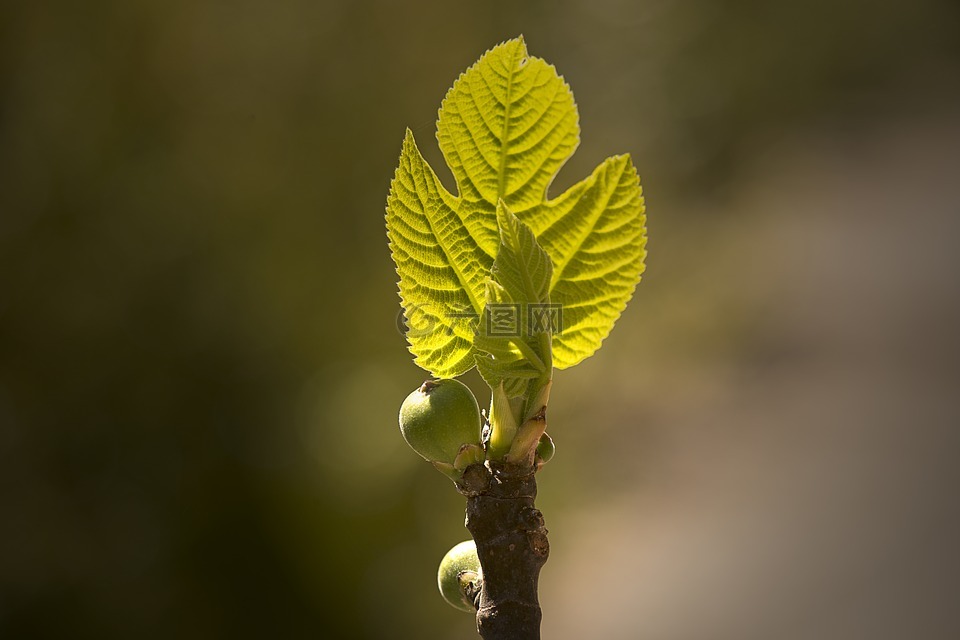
(505, 128)
(513, 337)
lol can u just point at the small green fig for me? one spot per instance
(459, 576)
(545, 450)
(439, 418)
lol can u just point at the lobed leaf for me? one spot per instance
(442, 268)
(505, 128)
(595, 234)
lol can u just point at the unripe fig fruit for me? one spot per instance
(459, 572)
(439, 418)
(545, 449)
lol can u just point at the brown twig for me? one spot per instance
(512, 546)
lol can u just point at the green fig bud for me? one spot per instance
(459, 576)
(545, 450)
(439, 418)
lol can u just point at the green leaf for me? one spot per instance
(513, 344)
(505, 128)
(596, 236)
(442, 269)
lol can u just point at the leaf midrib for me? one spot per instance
(508, 103)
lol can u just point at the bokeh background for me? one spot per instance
(200, 366)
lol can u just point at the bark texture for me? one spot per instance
(512, 546)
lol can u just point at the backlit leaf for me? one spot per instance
(505, 128)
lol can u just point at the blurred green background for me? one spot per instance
(200, 366)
